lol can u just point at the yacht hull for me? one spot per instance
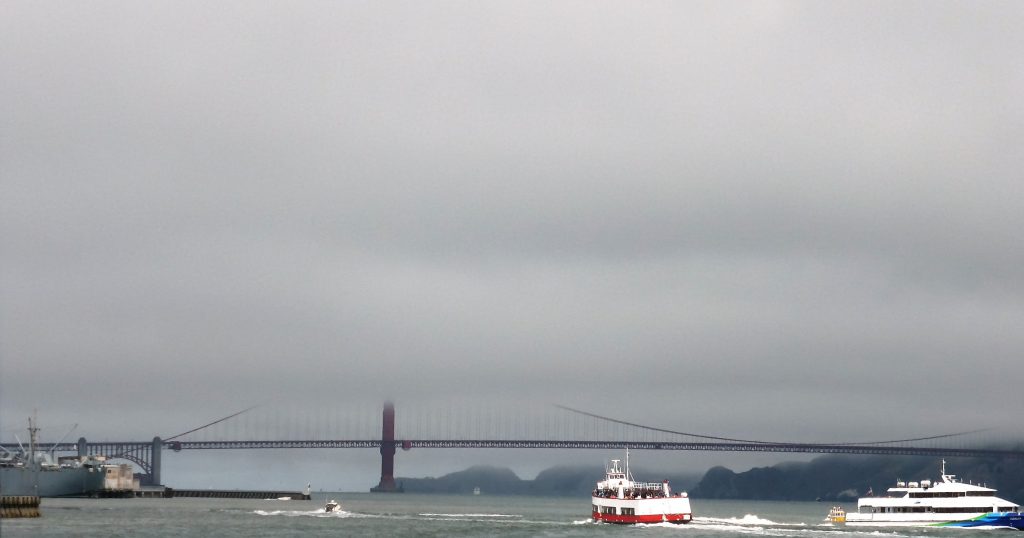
(1012, 520)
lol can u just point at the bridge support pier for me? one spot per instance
(387, 453)
(154, 473)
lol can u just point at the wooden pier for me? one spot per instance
(19, 506)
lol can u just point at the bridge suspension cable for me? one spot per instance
(700, 436)
(204, 426)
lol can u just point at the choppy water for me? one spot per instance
(373, 515)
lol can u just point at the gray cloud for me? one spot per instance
(776, 213)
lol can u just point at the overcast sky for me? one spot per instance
(796, 220)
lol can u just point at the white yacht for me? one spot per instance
(945, 503)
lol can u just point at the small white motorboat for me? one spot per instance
(332, 506)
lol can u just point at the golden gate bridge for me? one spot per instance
(481, 427)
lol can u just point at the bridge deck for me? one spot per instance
(114, 447)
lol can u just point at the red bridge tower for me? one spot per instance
(387, 453)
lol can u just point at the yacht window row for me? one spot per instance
(940, 510)
(935, 494)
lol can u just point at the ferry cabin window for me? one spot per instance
(628, 511)
(610, 510)
(934, 494)
(594, 508)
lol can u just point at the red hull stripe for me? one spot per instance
(649, 518)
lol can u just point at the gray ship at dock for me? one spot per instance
(35, 473)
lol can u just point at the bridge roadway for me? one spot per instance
(147, 454)
(633, 445)
(110, 447)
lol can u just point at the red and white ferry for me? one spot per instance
(618, 499)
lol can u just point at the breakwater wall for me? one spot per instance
(236, 494)
(19, 506)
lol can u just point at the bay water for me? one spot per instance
(420, 515)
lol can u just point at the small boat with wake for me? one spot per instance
(620, 499)
(332, 506)
(836, 515)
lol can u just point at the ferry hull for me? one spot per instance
(994, 519)
(632, 511)
(649, 518)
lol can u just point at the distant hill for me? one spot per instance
(827, 478)
(493, 480)
(557, 481)
(845, 478)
